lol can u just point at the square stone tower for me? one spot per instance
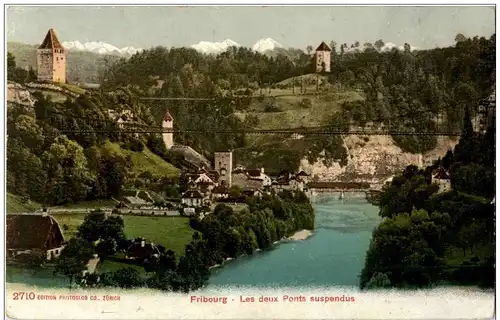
(223, 164)
(51, 59)
(322, 58)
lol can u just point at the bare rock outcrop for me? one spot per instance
(374, 159)
(19, 95)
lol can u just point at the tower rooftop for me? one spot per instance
(323, 47)
(51, 41)
(168, 116)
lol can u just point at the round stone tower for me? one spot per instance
(168, 137)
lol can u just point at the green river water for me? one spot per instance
(333, 256)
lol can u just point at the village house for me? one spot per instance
(243, 180)
(140, 250)
(258, 174)
(27, 233)
(442, 179)
(289, 181)
(192, 198)
(220, 192)
(252, 192)
(303, 176)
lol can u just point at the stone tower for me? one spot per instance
(223, 164)
(322, 58)
(168, 137)
(51, 59)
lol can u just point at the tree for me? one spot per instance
(73, 259)
(309, 49)
(235, 191)
(91, 228)
(69, 176)
(11, 67)
(379, 44)
(127, 278)
(460, 38)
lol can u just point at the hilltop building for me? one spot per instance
(51, 59)
(442, 179)
(322, 58)
(223, 164)
(189, 157)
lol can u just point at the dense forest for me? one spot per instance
(430, 238)
(415, 89)
(220, 235)
(420, 90)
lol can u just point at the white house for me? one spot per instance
(192, 198)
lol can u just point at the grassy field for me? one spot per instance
(144, 161)
(17, 204)
(72, 88)
(171, 232)
(290, 113)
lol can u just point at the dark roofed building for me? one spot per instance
(442, 179)
(141, 251)
(31, 232)
(441, 174)
(220, 192)
(254, 172)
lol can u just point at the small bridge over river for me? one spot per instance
(341, 190)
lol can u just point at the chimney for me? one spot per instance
(143, 243)
(262, 170)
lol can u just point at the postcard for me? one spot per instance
(250, 162)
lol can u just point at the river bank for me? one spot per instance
(301, 235)
(297, 236)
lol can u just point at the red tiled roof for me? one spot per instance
(30, 231)
(323, 47)
(168, 116)
(51, 41)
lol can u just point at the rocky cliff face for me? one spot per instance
(374, 159)
(18, 95)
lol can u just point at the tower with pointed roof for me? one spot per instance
(51, 59)
(322, 58)
(168, 123)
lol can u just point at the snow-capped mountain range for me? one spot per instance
(206, 47)
(99, 47)
(214, 47)
(203, 46)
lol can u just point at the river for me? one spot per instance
(333, 256)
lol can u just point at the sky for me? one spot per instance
(298, 27)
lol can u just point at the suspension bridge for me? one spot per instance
(91, 126)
